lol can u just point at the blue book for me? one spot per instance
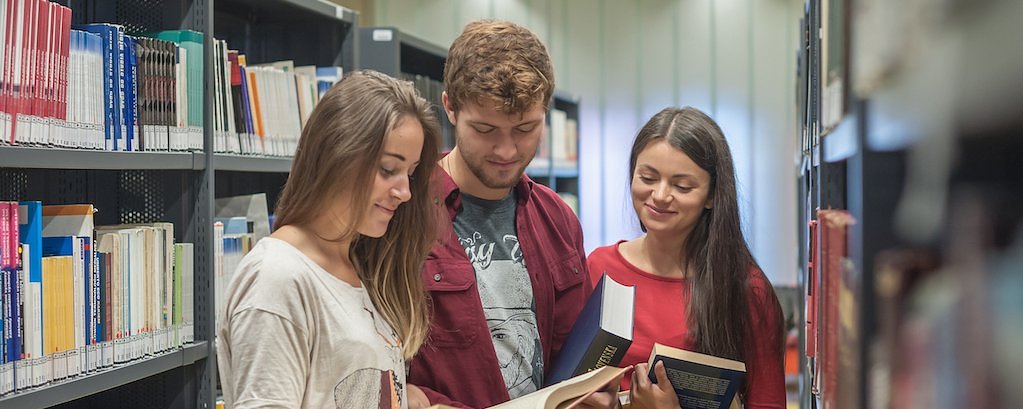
(13, 328)
(129, 77)
(602, 333)
(111, 37)
(30, 232)
(699, 380)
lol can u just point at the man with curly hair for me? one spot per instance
(507, 277)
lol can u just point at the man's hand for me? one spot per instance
(646, 394)
(416, 398)
(607, 398)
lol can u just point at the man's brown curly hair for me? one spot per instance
(500, 61)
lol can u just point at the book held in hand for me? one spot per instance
(700, 380)
(601, 334)
(568, 393)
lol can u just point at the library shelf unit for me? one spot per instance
(178, 187)
(401, 55)
(930, 178)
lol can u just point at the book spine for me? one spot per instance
(607, 349)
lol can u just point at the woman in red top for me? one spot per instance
(697, 284)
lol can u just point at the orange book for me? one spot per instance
(257, 113)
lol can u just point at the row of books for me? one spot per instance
(233, 237)
(260, 109)
(78, 298)
(93, 86)
(560, 142)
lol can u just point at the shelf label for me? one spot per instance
(383, 35)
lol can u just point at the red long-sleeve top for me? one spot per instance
(660, 317)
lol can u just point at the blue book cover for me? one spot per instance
(12, 314)
(110, 44)
(700, 380)
(30, 232)
(129, 62)
(58, 246)
(601, 334)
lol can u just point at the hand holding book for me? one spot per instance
(646, 394)
(693, 380)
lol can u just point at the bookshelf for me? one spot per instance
(928, 175)
(179, 187)
(401, 55)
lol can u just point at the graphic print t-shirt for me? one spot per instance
(486, 229)
(295, 336)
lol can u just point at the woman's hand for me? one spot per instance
(607, 398)
(416, 398)
(646, 394)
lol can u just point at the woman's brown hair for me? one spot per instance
(338, 154)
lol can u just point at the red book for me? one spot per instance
(832, 228)
(40, 59)
(62, 70)
(9, 24)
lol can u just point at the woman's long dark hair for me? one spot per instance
(718, 257)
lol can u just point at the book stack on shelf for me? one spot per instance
(113, 103)
(79, 298)
(92, 86)
(260, 108)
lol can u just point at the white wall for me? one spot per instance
(734, 59)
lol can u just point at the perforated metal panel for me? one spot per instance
(140, 16)
(141, 197)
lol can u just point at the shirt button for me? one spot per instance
(575, 270)
(436, 201)
(436, 277)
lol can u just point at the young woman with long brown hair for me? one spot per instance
(698, 286)
(326, 310)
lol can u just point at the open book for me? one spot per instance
(700, 380)
(565, 394)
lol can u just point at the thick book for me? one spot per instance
(700, 380)
(601, 334)
(568, 393)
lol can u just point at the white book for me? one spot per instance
(22, 374)
(47, 366)
(92, 352)
(60, 365)
(6, 378)
(107, 354)
(39, 370)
